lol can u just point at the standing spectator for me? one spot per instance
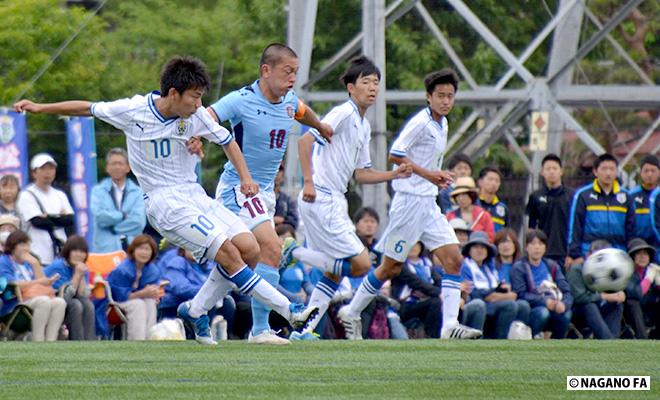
(461, 166)
(490, 179)
(654, 206)
(642, 306)
(9, 188)
(46, 211)
(600, 210)
(539, 280)
(117, 206)
(650, 174)
(508, 252)
(286, 209)
(72, 285)
(8, 225)
(19, 266)
(135, 286)
(548, 208)
(477, 218)
(600, 312)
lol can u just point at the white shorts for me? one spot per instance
(412, 219)
(328, 228)
(189, 218)
(251, 210)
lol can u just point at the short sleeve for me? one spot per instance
(228, 108)
(406, 139)
(28, 206)
(364, 159)
(334, 118)
(117, 113)
(66, 204)
(207, 127)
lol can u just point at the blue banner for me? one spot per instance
(81, 145)
(13, 145)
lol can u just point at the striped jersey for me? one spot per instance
(157, 149)
(333, 163)
(424, 141)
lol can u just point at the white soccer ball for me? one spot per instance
(608, 270)
(168, 329)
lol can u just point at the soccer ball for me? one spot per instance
(607, 270)
(168, 329)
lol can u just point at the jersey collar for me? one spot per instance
(615, 187)
(152, 106)
(430, 114)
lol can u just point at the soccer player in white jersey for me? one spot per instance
(158, 129)
(332, 244)
(414, 215)
(262, 116)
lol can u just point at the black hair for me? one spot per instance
(649, 159)
(536, 234)
(604, 157)
(551, 157)
(444, 76)
(490, 168)
(183, 73)
(274, 52)
(357, 67)
(366, 211)
(459, 158)
(74, 242)
(14, 239)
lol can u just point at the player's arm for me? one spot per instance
(370, 175)
(233, 152)
(307, 116)
(73, 107)
(438, 178)
(305, 144)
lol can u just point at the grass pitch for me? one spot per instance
(388, 369)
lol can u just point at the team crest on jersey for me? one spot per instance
(290, 111)
(182, 127)
(621, 197)
(499, 210)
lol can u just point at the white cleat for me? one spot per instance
(267, 337)
(301, 316)
(352, 325)
(459, 331)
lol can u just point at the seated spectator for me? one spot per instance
(19, 266)
(419, 297)
(46, 211)
(286, 209)
(599, 313)
(135, 285)
(8, 224)
(477, 268)
(461, 166)
(508, 252)
(643, 291)
(489, 181)
(541, 283)
(9, 188)
(116, 206)
(478, 219)
(462, 230)
(72, 285)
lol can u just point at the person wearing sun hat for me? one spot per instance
(8, 224)
(642, 305)
(465, 195)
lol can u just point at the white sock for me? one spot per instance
(366, 292)
(319, 260)
(451, 300)
(321, 296)
(214, 289)
(269, 296)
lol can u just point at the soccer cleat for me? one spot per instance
(352, 325)
(199, 325)
(267, 337)
(459, 331)
(300, 316)
(288, 247)
(303, 336)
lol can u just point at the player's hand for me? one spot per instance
(27, 105)
(326, 131)
(404, 170)
(249, 189)
(195, 146)
(309, 193)
(442, 179)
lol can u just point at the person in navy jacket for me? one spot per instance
(135, 286)
(641, 196)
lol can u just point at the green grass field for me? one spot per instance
(420, 369)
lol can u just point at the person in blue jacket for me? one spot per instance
(73, 288)
(600, 210)
(117, 206)
(649, 173)
(135, 286)
(654, 207)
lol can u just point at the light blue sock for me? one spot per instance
(260, 312)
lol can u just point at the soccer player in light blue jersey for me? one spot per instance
(262, 116)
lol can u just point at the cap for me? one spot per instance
(41, 159)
